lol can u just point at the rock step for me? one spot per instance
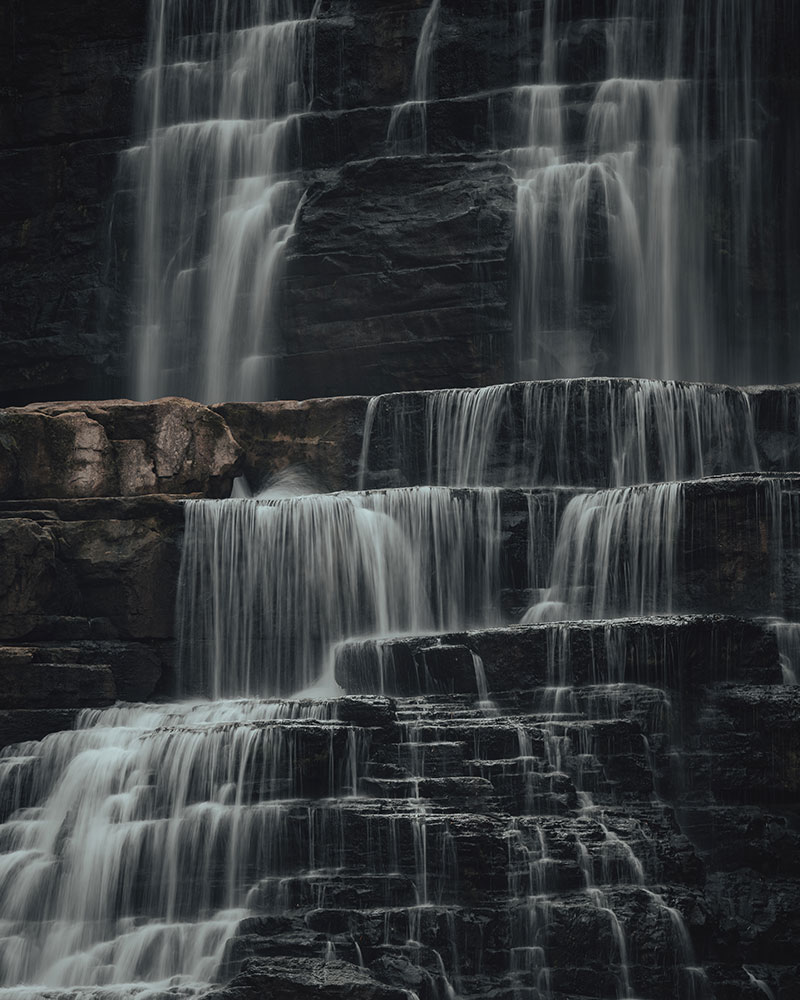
(489, 121)
(474, 46)
(113, 562)
(499, 882)
(564, 431)
(597, 426)
(596, 432)
(468, 944)
(677, 654)
(115, 448)
(84, 674)
(337, 888)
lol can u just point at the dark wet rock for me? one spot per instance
(67, 76)
(420, 301)
(680, 654)
(742, 836)
(397, 970)
(33, 724)
(114, 562)
(737, 982)
(87, 673)
(758, 916)
(28, 684)
(380, 713)
(745, 745)
(776, 412)
(300, 978)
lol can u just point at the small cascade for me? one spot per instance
(530, 882)
(581, 432)
(268, 586)
(136, 837)
(614, 555)
(788, 636)
(408, 125)
(218, 102)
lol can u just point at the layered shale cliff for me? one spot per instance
(400, 272)
(440, 685)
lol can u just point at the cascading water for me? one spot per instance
(134, 865)
(267, 587)
(616, 268)
(614, 555)
(454, 839)
(408, 126)
(577, 432)
(218, 104)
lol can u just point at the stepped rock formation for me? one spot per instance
(573, 809)
(428, 684)
(410, 319)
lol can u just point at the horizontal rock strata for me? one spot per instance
(175, 446)
(67, 218)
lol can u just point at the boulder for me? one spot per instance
(115, 448)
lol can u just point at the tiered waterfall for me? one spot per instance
(504, 714)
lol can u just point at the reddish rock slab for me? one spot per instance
(115, 448)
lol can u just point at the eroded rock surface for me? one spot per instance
(115, 448)
(376, 298)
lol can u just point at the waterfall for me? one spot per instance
(445, 734)
(583, 432)
(218, 108)
(616, 269)
(151, 811)
(408, 125)
(614, 555)
(268, 587)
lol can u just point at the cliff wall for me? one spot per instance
(398, 275)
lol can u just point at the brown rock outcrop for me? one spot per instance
(114, 560)
(28, 573)
(323, 436)
(115, 448)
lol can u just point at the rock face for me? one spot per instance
(516, 658)
(379, 297)
(87, 597)
(67, 78)
(390, 257)
(115, 448)
(115, 560)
